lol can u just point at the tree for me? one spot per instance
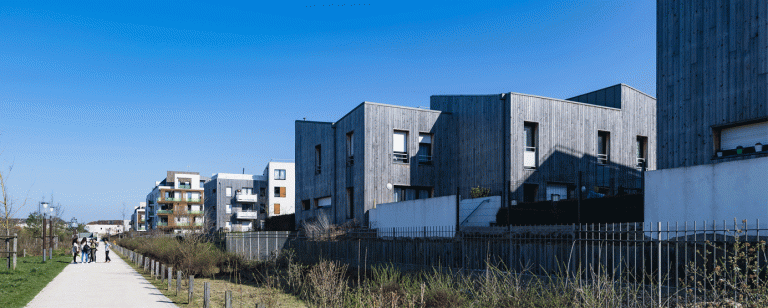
(9, 205)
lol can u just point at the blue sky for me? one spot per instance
(98, 99)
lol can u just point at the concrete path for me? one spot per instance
(100, 284)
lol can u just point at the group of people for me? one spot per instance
(87, 250)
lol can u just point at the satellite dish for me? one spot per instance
(389, 186)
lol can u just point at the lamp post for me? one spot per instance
(40, 207)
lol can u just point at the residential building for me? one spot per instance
(139, 217)
(176, 203)
(108, 227)
(522, 147)
(712, 112)
(242, 202)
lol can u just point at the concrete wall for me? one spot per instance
(432, 212)
(714, 192)
(482, 210)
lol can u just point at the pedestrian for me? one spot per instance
(106, 249)
(85, 249)
(94, 247)
(75, 250)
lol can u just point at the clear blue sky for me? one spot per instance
(98, 99)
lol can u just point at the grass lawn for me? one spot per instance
(242, 295)
(19, 287)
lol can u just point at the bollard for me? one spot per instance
(191, 289)
(227, 299)
(178, 283)
(206, 295)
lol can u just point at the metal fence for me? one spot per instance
(682, 263)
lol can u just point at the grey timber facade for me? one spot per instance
(712, 63)
(235, 202)
(471, 141)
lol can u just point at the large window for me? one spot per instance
(425, 149)
(405, 193)
(741, 139)
(318, 159)
(530, 149)
(350, 149)
(641, 151)
(603, 147)
(400, 146)
(279, 174)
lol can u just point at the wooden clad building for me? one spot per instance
(519, 146)
(712, 63)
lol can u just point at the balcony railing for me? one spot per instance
(400, 157)
(185, 186)
(173, 199)
(350, 160)
(425, 159)
(182, 224)
(247, 215)
(165, 212)
(246, 198)
(602, 159)
(193, 200)
(195, 212)
(318, 169)
(198, 224)
(640, 163)
(529, 157)
(162, 224)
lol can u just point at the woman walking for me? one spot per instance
(106, 250)
(85, 250)
(75, 250)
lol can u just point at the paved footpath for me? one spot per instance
(99, 284)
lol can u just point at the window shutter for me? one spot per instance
(282, 192)
(277, 208)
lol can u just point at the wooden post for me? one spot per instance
(162, 273)
(170, 277)
(178, 282)
(191, 289)
(24, 254)
(15, 250)
(206, 295)
(228, 299)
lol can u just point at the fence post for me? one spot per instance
(178, 282)
(191, 288)
(658, 258)
(162, 273)
(206, 295)
(24, 254)
(170, 277)
(228, 299)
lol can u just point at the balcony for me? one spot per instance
(185, 186)
(168, 199)
(243, 198)
(198, 224)
(198, 200)
(182, 224)
(164, 212)
(162, 224)
(247, 215)
(195, 212)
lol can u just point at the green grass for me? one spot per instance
(19, 287)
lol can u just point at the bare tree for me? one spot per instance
(9, 205)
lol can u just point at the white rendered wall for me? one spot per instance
(484, 209)
(287, 204)
(415, 214)
(706, 193)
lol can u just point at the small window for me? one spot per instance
(229, 192)
(229, 208)
(305, 204)
(530, 148)
(350, 149)
(603, 147)
(263, 192)
(400, 146)
(279, 174)
(350, 203)
(641, 150)
(318, 159)
(277, 208)
(425, 149)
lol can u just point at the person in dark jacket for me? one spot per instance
(85, 249)
(94, 246)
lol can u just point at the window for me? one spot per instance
(350, 149)
(530, 149)
(246, 191)
(305, 205)
(229, 192)
(603, 147)
(277, 208)
(425, 149)
(741, 139)
(279, 174)
(400, 146)
(263, 192)
(406, 193)
(214, 191)
(318, 159)
(280, 192)
(557, 191)
(530, 192)
(323, 202)
(350, 203)
(229, 208)
(641, 150)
